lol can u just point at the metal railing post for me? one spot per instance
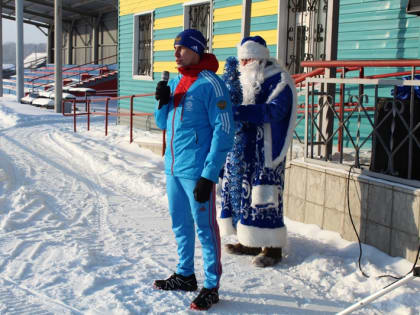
(74, 115)
(88, 114)
(106, 115)
(131, 117)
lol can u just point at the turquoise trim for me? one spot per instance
(165, 55)
(229, 3)
(168, 11)
(261, 23)
(227, 27)
(167, 33)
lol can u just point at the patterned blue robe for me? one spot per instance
(253, 179)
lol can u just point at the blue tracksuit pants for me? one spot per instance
(185, 211)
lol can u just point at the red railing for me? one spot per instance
(106, 113)
(344, 66)
(79, 74)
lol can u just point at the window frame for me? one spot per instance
(135, 61)
(186, 6)
(413, 8)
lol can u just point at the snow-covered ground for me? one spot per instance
(84, 229)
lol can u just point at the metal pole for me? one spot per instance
(330, 54)
(1, 50)
(50, 45)
(58, 58)
(246, 18)
(95, 37)
(19, 49)
(282, 32)
(385, 290)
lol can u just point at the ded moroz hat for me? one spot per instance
(253, 47)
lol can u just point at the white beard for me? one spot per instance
(252, 77)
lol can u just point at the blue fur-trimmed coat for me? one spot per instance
(253, 177)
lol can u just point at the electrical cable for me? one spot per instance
(360, 243)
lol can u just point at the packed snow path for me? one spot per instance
(84, 229)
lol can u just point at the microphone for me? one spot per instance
(165, 76)
(163, 92)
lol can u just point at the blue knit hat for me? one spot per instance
(253, 47)
(191, 39)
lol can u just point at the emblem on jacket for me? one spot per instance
(221, 104)
(188, 106)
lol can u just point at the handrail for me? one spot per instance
(34, 61)
(300, 77)
(88, 113)
(362, 63)
(77, 66)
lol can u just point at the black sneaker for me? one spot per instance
(205, 299)
(177, 282)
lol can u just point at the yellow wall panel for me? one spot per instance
(235, 12)
(172, 21)
(262, 8)
(231, 40)
(227, 14)
(221, 67)
(226, 40)
(269, 36)
(165, 66)
(135, 6)
(163, 44)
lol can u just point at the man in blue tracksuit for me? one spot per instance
(195, 110)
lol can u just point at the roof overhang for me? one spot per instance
(41, 12)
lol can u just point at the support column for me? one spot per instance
(330, 54)
(58, 56)
(19, 50)
(50, 45)
(95, 42)
(1, 49)
(246, 18)
(70, 45)
(282, 17)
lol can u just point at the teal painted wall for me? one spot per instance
(129, 86)
(377, 30)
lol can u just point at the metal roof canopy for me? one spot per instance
(41, 12)
(48, 13)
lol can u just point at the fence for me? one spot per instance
(74, 112)
(385, 129)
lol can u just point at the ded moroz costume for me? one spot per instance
(253, 177)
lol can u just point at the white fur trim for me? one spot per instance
(265, 195)
(225, 226)
(286, 79)
(252, 236)
(251, 49)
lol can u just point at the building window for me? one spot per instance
(198, 15)
(307, 22)
(143, 46)
(413, 7)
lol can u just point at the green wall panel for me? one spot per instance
(167, 33)
(377, 30)
(228, 3)
(227, 27)
(168, 11)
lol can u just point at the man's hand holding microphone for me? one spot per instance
(163, 92)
